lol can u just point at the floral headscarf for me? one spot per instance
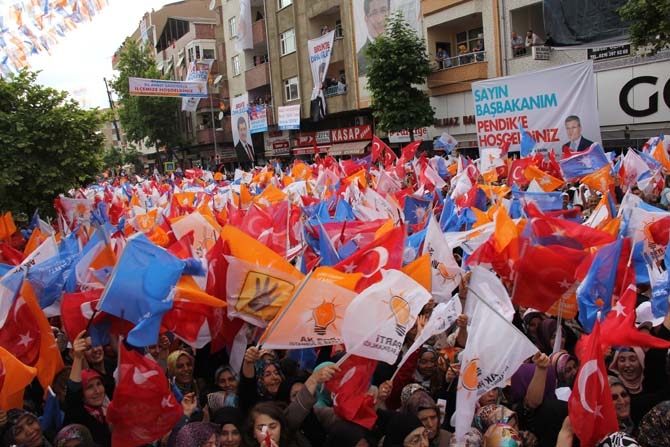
(195, 434)
(260, 368)
(73, 432)
(489, 415)
(654, 428)
(407, 391)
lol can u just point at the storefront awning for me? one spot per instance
(352, 148)
(309, 150)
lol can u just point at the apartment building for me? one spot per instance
(633, 92)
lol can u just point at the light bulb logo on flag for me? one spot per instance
(324, 315)
(401, 312)
(470, 375)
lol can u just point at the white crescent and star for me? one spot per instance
(590, 368)
(140, 377)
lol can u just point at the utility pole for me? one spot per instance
(111, 106)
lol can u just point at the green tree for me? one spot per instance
(151, 117)
(397, 69)
(649, 24)
(49, 144)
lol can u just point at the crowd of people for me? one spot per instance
(278, 398)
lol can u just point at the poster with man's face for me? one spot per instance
(369, 22)
(239, 118)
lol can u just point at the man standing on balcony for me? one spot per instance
(375, 12)
(243, 148)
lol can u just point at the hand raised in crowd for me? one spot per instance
(80, 345)
(541, 360)
(252, 355)
(462, 321)
(463, 286)
(453, 370)
(326, 373)
(384, 390)
(189, 404)
(421, 321)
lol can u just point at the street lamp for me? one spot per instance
(215, 84)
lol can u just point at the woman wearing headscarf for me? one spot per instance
(422, 405)
(22, 428)
(224, 393)
(260, 380)
(231, 422)
(546, 336)
(628, 365)
(85, 399)
(180, 373)
(348, 434)
(405, 430)
(621, 399)
(74, 435)
(198, 434)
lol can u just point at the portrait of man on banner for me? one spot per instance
(244, 149)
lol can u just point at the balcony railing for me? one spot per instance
(461, 59)
(258, 32)
(257, 76)
(335, 90)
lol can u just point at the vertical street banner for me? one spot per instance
(288, 117)
(258, 118)
(245, 37)
(320, 50)
(538, 101)
(198, 71)
(239, 118)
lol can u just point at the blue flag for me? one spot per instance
(413, 246)
(48, 278)
(584, 163)
(416, 209)
(140, 289)
(545, 201)
(329, 256)
(527, 142)
(598, 284)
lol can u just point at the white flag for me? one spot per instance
(378, 319)
(485, 285)
(445, 271)
(441, 319)
(486, 362)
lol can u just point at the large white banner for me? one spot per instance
(198, 71)
(288, 117)
(538, 101)
(245, 37)
(320, 50)
(239, 119)
(158, 87)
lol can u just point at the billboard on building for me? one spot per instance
(198, 71)
(540, 102)
(288, 117)
(258, 118)
(369, 20)
(159, 87)
(239, 121)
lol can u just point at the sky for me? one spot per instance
(83, 57)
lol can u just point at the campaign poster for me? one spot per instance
(239, 119)
(288, 117)
(540, 102)
(198, 71)
(258, 118)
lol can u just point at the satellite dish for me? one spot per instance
(220, 115)
(212, 5)
(218, 79)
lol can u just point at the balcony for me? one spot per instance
(259, 33)
(257, 76)
(433, 6)
(210, 102)
(458, 73)
(206, 136)
(338, 51)
(336, 101)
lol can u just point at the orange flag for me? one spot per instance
(420, 271)
(7, 226)
(14, 378)
(600, 180)
(547, 182)
(659, 154)
(36, 239)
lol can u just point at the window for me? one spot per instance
(339, 33)
(283, 3)
(291, 91)
(208, 53)
(235, 62)
(287, 42)
(469, 38)
(201, 49)
(232, 27)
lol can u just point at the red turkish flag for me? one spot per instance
(590, 405)
(619, 329)
(516, 172)
(385, 252)
(351, 400)
(143, 408)
(542, 275)
(77, 310)
(378, 148)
